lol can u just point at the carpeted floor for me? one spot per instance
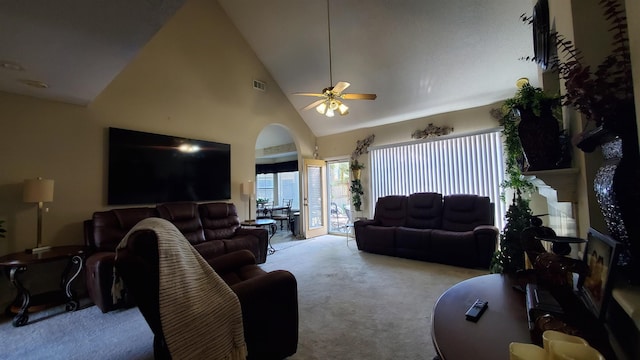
(352, 305)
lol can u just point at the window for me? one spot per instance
(278, 186)
(264, 186)
(289, 188)
(471, 164)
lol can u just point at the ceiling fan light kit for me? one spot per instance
(330, 106)
(332, 96)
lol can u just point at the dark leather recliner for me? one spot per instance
(454, 229)
(212, 228)
(269, 301)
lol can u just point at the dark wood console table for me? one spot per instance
(504, 321)
(17, 263)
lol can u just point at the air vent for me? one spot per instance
(259, 85)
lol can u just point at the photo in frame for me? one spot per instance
(601, 256)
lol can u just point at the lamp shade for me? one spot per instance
(248, 188)
(38, 190)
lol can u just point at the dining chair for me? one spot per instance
(283, 213)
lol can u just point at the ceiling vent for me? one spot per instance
(259, 85)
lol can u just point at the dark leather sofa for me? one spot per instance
(212, 228)
(269, 300)
(455, 229)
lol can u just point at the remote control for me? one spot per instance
(476, 310)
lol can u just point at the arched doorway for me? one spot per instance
(277, 177)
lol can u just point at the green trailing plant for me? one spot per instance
(513, 154)
(356, 194)
(510, 256)
(532, 98)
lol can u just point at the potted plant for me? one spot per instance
(356, 168)
(356, 194)
(532, 112)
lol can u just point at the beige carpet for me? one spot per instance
(352, 305)
(355, 305)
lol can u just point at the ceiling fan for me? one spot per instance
(332, 96)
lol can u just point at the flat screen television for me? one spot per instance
(147, 168)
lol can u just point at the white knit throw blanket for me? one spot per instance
(201, 316)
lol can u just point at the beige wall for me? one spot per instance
(194, 79)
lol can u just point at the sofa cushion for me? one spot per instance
(378, 239)
(219, 220)
(413, 243)
(454, 248)
(465, 212)
(185, 216)
(391, 210)
(424, 211)
(109, 227)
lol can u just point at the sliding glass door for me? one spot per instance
(339, 199)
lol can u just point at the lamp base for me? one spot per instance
(38, 250)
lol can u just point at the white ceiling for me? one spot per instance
(75, 46)
(421, 57)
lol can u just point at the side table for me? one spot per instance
(17, 263)
(270, 224)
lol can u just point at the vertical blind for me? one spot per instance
(471, 164)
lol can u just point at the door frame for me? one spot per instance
(317, 230)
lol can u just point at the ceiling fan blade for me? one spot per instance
(359, 96)
(340, 86)
(308, 94)
(313, 104)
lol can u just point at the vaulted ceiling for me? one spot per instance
(421, 57)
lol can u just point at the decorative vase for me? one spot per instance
(617, 192)
(540, 139)
(356, 173)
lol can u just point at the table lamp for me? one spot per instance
(38, 191)
(249, 189)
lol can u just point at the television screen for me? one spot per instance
(147, 168)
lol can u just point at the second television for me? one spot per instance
(146, 168)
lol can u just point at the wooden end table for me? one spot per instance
(17, 263)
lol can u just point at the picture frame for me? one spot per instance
(601, 256)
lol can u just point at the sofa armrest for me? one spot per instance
(270, 314)
(365, 222)
(276, 284)
(231, 261)
(257, 232)
(484, 230)
(262, 235)
(486, 243)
